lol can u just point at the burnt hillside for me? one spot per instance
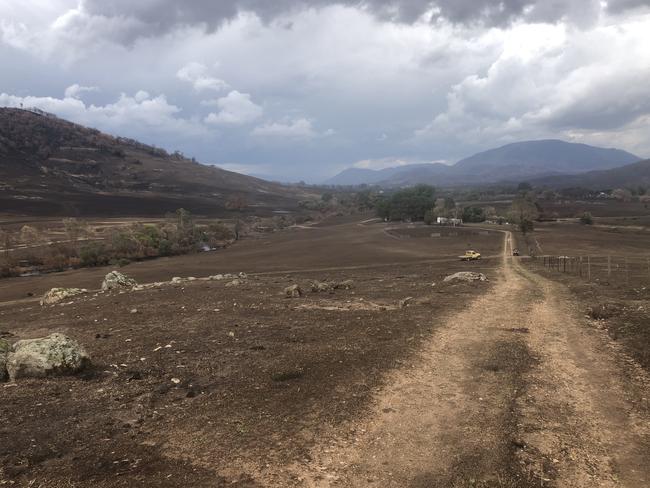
(49, 166)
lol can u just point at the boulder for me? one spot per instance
(56, 295)
(5, 349)
(322, 286)
(235, 282)
(293, 291)
(55, 354)
(345, 285)
(116, 280)
(466, 276)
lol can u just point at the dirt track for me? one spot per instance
(513, 391)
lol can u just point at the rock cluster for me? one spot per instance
(466, 276)
(330, 286)
(56, 295)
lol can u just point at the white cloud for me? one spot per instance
(75, 91)
(235, 109)
(197, 75)
(550, 81)
(390, 162)
(300, 128)
(247, 169)
(126, 116)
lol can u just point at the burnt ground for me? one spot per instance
(259, 377)
(338, 244)
(498, 384)
(618, 306)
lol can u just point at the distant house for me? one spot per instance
(449, 221)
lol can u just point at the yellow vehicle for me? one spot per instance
(470, 256)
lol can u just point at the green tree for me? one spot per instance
(444, 207)
(473, 214)
(524, 187)
(407, 204)
(524, 212)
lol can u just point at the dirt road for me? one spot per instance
(514, 391)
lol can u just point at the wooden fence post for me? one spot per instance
(609, 267)
(588, 268)
(580, 266)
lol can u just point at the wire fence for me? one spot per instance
(627, 270)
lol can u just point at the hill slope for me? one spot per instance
(360, 176)
(631, 175)
(49, 166)
(546, 156)
(513, 162)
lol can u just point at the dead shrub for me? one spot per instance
(604, 311)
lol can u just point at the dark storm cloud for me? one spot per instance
(197, 76)
(618, 6)
(159, 16)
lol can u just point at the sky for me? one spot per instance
(301, 89)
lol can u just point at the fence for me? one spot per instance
(618, 269)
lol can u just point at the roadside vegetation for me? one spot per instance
(81, 246)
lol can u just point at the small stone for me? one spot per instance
(293, 291)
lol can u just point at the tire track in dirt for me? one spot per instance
(514, 391)
(447, 419)
(587, 406)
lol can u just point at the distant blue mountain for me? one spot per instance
(513, 162)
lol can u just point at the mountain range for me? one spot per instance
(49, 166)
(52, 167)
(513, 162)
(630, 175)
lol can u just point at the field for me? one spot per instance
(608, 270)
(402, 380)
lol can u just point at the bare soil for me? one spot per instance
(498, 384)
(616, 302)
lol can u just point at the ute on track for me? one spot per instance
(470, 256)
